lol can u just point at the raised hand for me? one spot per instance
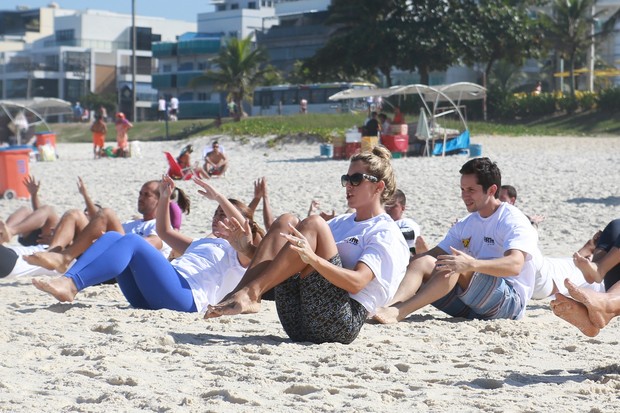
(32, 185)
(207, 190)
(166, 186)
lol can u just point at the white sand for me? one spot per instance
(98, 354)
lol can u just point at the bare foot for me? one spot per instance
(588, 268)
(574, 313)
(5, 233)
(590, 245)
(420, 245)
(49, 260)
(62, 288)
(239, 303)
(594, 301)
(387, 315)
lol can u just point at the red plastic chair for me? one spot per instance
(174, 169)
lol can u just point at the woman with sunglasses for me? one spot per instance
(207, 270)
(328, 276)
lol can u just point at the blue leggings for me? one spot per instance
(144, 275)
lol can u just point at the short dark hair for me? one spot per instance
(510, 190)
(487, 173)
(399, 196)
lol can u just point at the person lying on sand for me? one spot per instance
(486, 254)
(604, 263)
(75, 233)
(34, 226)
(342, 269)
(207, 270)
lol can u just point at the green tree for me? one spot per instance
(567, 30)
(429, 35)
(363, 41)
(240, 68)
(499, 30)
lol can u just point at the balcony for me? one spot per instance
(199, 46)
(164, 49)
(163, 81)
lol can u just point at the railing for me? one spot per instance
(89, 44)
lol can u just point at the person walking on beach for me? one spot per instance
(206, 271)
(328, 276)
(99, 130)
(483, 268)
(122, 126)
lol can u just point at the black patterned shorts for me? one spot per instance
(313, 309)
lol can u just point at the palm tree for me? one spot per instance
(567, 30)
(240, 67)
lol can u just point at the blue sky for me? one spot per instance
(174, 9)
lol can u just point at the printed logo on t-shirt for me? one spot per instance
(466, 241)
(489, 241)
(352, 240)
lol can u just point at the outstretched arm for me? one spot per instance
(267, 213)
(175, 239)
(508, 265)
(210, 193)
(32, 186)
(91, 208)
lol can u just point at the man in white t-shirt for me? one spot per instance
(408, 227)
(483, 268)
(106, 220)
(174, 108)
(161, 109)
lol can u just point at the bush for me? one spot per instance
(609, 100)
(568, 104)
(587, 100)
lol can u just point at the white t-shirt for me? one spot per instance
(174, 103)
(144, 229)
(378, 243)
(550, 271)
(410, 230)
(22, 268)
(161, 105)
(211, 268)
(487, 238)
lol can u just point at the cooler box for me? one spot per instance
(369, 142)
(396, 143)
(399, 129)
(46, 138)
(327, 150)
(352, 148)
(339, 152)
(14, 168)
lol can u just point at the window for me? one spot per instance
(202, 96)
(251, 5)
(166, 68)
(64, 35)
(234, 6)
(202, 65)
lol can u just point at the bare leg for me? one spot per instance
(441, 282)
(5, 233)
(274, 262)
(70, 226)
(105, 220)
(420, 245)
(574, 313)
(594, 271)
(602, 307)
(44, 218)
(62, 288)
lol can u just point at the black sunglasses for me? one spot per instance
(357, 179)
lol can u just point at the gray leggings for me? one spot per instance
(313, 309)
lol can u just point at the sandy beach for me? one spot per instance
(98, 354)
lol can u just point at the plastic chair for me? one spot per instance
(174, 169)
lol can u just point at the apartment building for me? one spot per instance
(89, 51)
